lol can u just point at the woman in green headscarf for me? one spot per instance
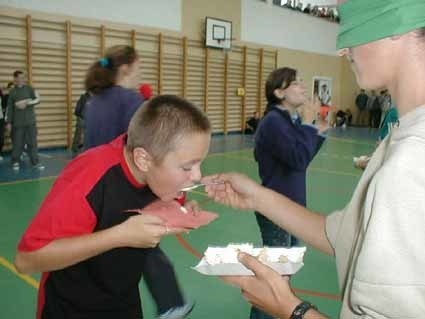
(378, 238)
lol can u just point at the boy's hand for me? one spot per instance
(237, 190)
(144, 231)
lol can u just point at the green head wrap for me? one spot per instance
(364, 21)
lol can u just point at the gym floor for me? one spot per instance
(331, 181)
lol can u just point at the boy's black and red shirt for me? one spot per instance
(93, 193)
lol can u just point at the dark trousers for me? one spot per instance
(249, 131)
(78, 140)
(362, 118)
(1, 135)
(159, 275)
(375, 118)
(272, 236)
(25, 135)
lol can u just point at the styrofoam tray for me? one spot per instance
(291, 266)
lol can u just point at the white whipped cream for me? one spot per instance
(228, 254)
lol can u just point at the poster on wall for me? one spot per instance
(322, 88)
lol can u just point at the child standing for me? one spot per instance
(113, 81)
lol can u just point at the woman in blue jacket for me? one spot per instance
(285, 144)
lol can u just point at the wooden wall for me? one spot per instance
(56, 54)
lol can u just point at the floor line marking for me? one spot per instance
(188, 247)
(44, 155)
(345, 140)
(317, 294)
(22, 181)
(241, 159)
(309, 169)
(236, 151)
(245, 158)
(322, 170)
(28, 279)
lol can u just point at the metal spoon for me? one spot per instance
(196, 185)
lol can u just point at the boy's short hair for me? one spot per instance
(160, 123)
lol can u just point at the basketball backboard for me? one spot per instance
(218, 33)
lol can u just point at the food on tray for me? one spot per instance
(228, 254)
(223, 261)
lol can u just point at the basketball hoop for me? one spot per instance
(218, 33)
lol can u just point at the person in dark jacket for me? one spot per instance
(113, 81)
(252, 123)
(361, 103)
(4, 98)
(285, 144)
(21, 121)
(78, 140)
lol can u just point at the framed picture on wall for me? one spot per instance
(322, 88)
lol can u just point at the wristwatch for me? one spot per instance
(301, 309)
